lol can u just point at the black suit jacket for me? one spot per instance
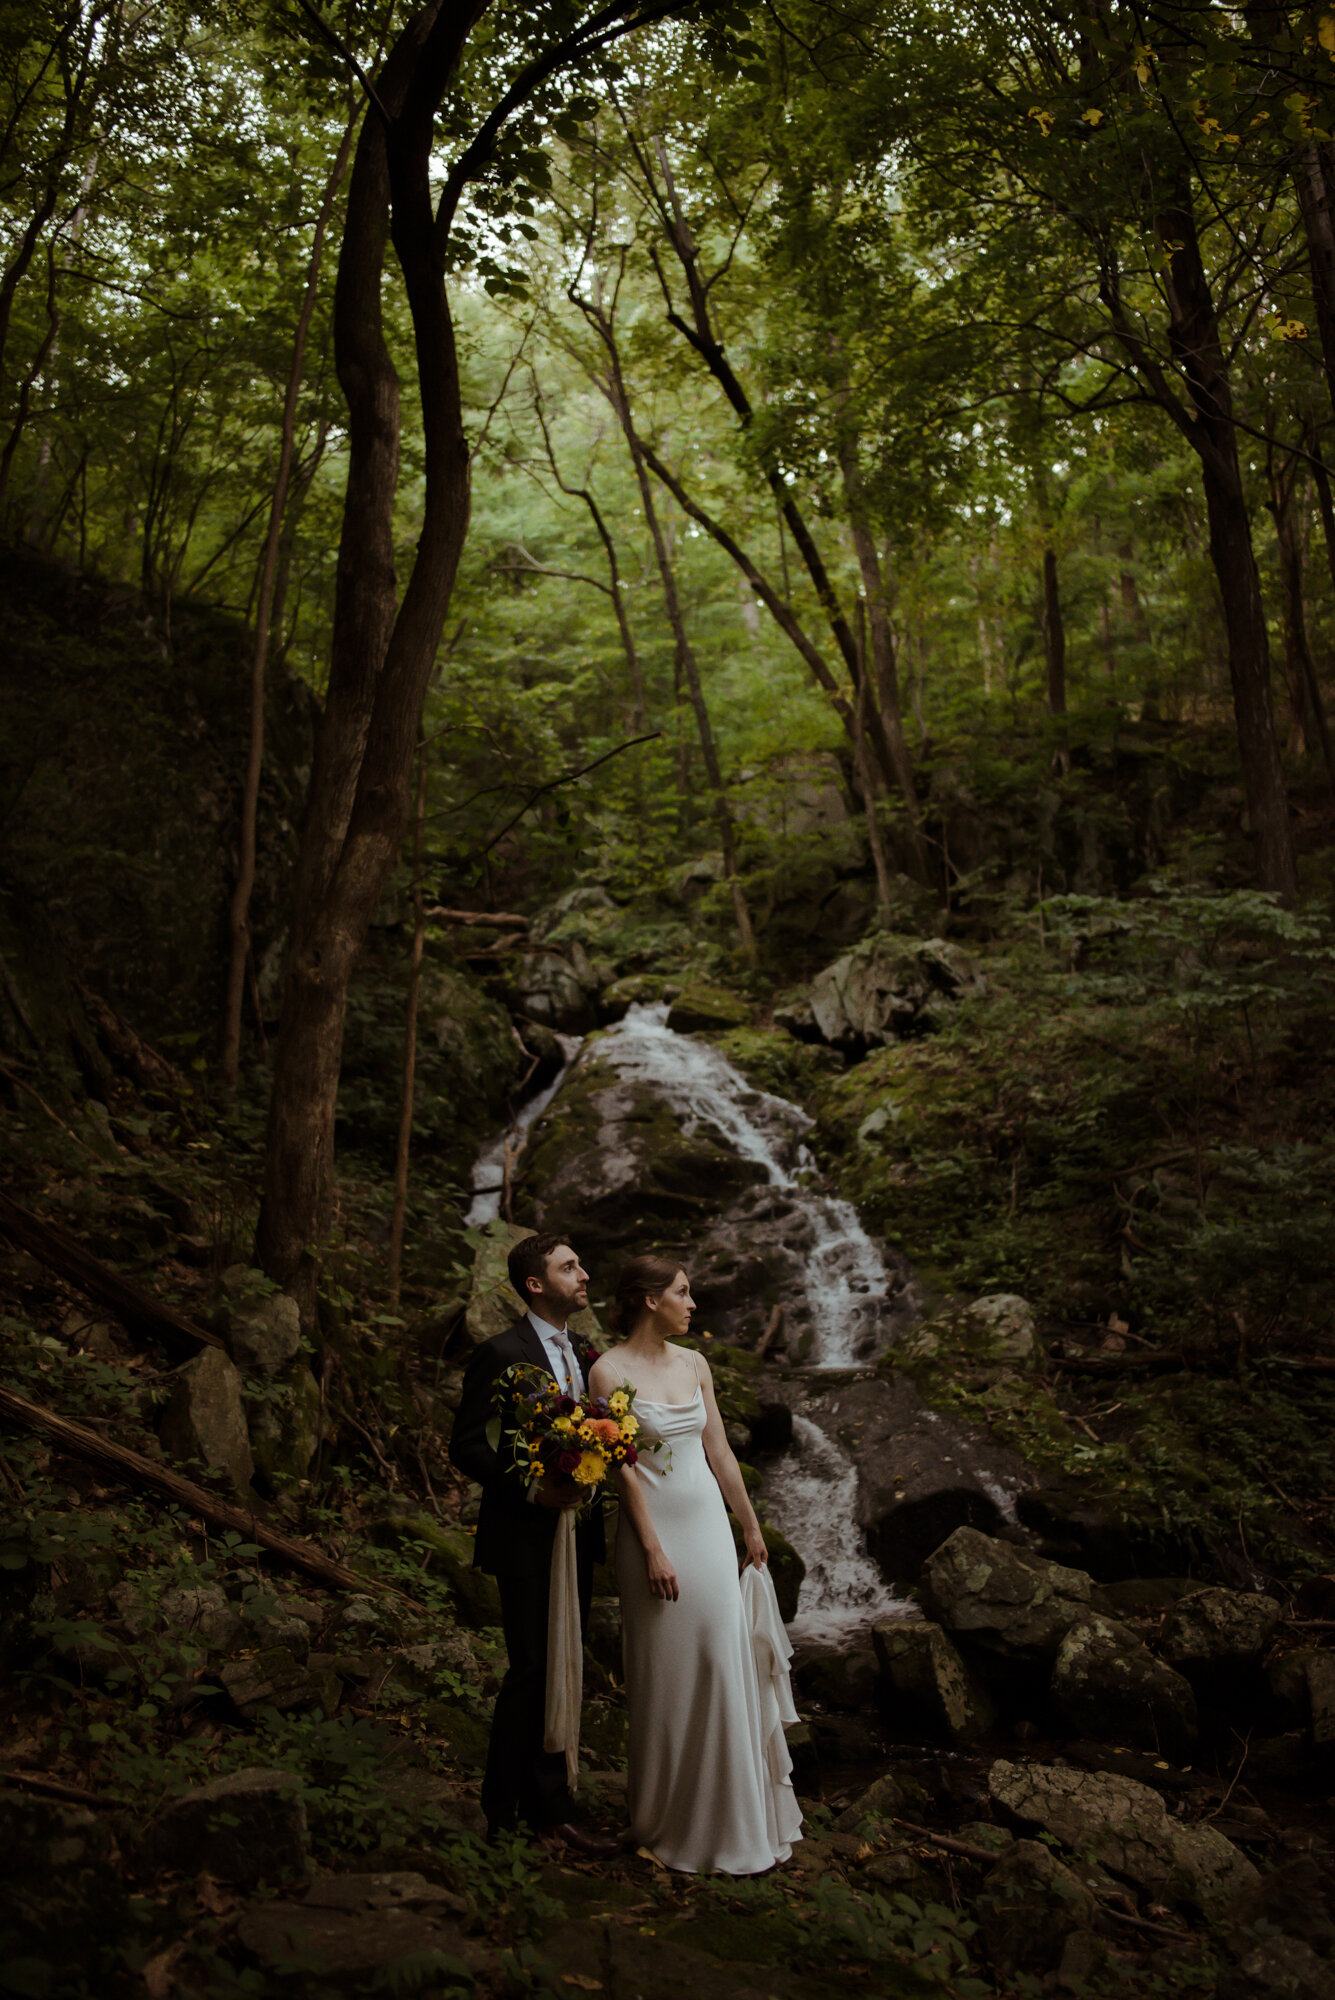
(514, 1533)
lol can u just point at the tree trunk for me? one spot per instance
(382, 655)
(687, 667)
(1314, 178)
(238, 922)
(883, 663)
(400, 1208)
(1308, 709)
(1194, 338)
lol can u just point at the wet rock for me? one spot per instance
(1029, 1906)
(995, 1332)
(887, 988)
(1214, 1633)
(1279, 1968)
(249, 1827)
(932, 1685)
(204, 1613)
(841, 1680)
(614, 1163)
(493, 1304)
(1126, 1827)
(1003, 1598)
(351, 1929)
(698, 1008)
(848, 1739)
(204, 1419)
(361, 1620)
(61, 1899)
(919, 1476)
(262, 1331)
(1110, 1687)
(284, 1628)
(640, 989)
(274, 1679)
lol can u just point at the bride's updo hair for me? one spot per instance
(637, 1280)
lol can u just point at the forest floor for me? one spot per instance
(1054, 1136)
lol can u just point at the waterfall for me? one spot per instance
(812, 1488)
(489, 1168)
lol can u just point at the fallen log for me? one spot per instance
(772, 1325)
(57, 1788)
(132, 1468)
(1172, 1364)
(138, 1311)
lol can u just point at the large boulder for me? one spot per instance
(931, 1683)
(275, 1678)
(888, 987)
(1003, 1598)
(1030, 1904)
(1212, 1634)
(557, 988)
(204, 1418)
(1109, 1686)
(1127, 1827)
(845, 1680)
(920, 1475)
(286, 1424)
(249, 1827)
(707, 1008)
(617, 1165)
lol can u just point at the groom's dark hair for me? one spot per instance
(529, 1260)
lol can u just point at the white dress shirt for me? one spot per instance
(556, 1360)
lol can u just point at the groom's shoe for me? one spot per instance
(593, 1845)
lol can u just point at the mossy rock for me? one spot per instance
(468, 1060)
(284, 1422)
(466, 1735)
(786, 1566)
(771, 1060)
(641, 989)
(740, 1939)
(450, 1554)
(699, 1009)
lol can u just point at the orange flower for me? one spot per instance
(606, 1430)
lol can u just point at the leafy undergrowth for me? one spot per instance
(1132, 1128)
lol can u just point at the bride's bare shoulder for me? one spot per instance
(608, 1367)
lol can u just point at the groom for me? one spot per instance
(516, 1527)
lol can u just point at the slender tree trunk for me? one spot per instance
(1197, 348)
(684, 654)
(883, 662)
(383, 651)
(1314, 178)
(1309, 713)
(409, 1042)
(875, 839)
(238, 922)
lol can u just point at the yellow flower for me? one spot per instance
(562, 1424)
(591, 1468)
(577, 1414)
(618, 1402)
(629, 1426)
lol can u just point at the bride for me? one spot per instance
(707, 1764)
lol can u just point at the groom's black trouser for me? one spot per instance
(522, 1780)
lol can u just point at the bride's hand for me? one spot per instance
(662, 1576)
(756, 1552)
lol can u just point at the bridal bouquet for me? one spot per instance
(559, 1438)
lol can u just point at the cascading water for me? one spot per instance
(812, 1489)
(500, 1154)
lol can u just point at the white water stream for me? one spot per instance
(489, 1168)
(812, 1488)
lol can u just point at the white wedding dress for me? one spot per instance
(708, 1767)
